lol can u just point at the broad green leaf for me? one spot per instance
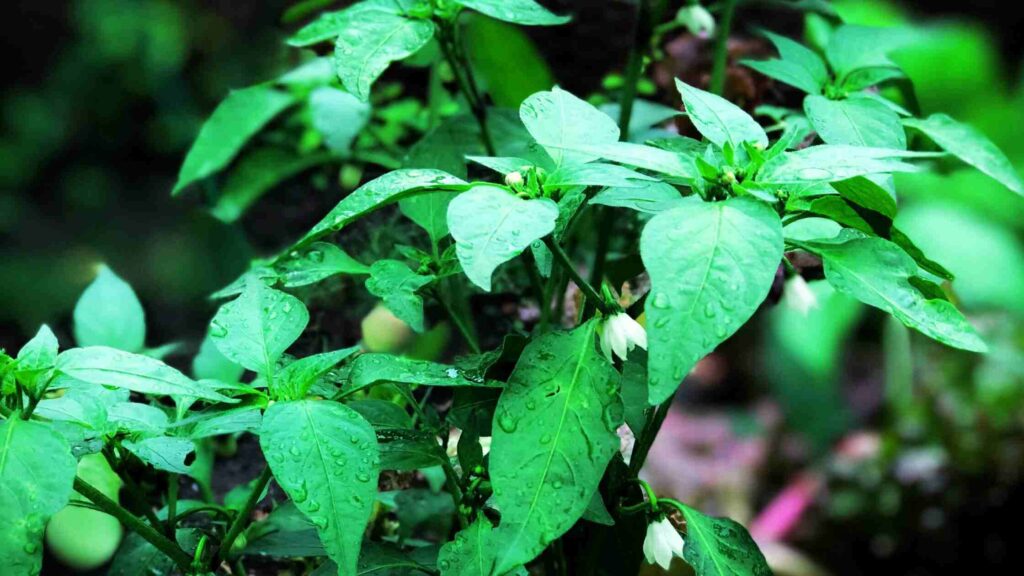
(105, 366)
(509, 70)
(78, 406)
(257, 173)
(835, 162)
(325, 457)
(397, 285)
(390, 187)
(634, 391)
(384, 559)
(721, 547)
(501, 164)
(872, 192)
(329, 25)
(218, 422)
(109, 313)
(370, 369)
(558, 120)
(338, 116)
(857, 121)
(318, 262)
(668, 162)
(879, 273)
(370, 41)
(799, 66)
(430, 212)
(711, 266)
(36, 360)
(297, 377)
(492, 226)
(36, 474)
(471, 552)
(652, 198)
(210, 364)
(971, 146)
(237, 119)
(852, 48)
(165, 453)
(597, 174)
(407, 450)
(256, 328)
(525, 12)
(719, 120)
(554, 434)
(134, 417)
(597, 512)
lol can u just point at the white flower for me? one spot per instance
(697, 20)
(662, 542)
(513, 179)
(799, 295)
(620, 334)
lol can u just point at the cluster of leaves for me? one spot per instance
(717, 215)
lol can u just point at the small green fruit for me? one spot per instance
(84, 539)
(384, 332)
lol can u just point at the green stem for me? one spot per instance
(134, 491)
(243, 516)
(451, 47)
(133, 523)
(172, 504)
(583, 285)
(646, 439)
(721, 55)
(464, 329)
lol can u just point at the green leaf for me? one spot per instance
(879, 273)
(447, 146)
(237, 119)
(165, 453)
(370, 41)
(492, 226)
(719, 120)
(79, 406)
(971, 146)
(711, 266)
(525, 12)
(397, 285)
(370, 369)
(318, 262)
(557, 119)
(109, 313)
(329, 25)
(668, 162)
(721, 547)
(257, 173)
(390, 187)
(835, 162)
(218, 422)
(430, 212)
(256, 328)
(872, 192)
(339, 116)
(501, 164)
(634, 391)
(105, 366)
(134, 417)
(509, 70)
(554, 434)
(471, 552)
(296, 378)
(597, 174)
(799, 66)
(852, 48)
(858, 121)
(36, 474)
(36, 360)
(408, 450)
(652, 198)
(325, 457)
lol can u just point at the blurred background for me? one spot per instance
(845, 442)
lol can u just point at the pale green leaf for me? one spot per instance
(256, 328)
(668, 162)
(554, 433)
(492, 226)
(329, 25)
(370, 41)
(558, 120)
(719, 120)
(338, 116)
(134, 417)
(165, 453)
(318, 262)
(325, 457)
(711, 266)
(430, 212)
(856, 120)
(105, 366)
(525, 12)
(652, 198)
(296, 378)
(721, 547)
(971, 146)
(237, 118)
(835, 162)
(210, 364)
(109, 313)
(879, 273)
(597, 174)
(397, 285)
(370, 369)
(36, 474)
(36, 360)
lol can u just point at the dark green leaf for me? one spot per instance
(295, 379)
(318, 262)
(525, 12)
(397, 285)
(165, 453)
(370, 41)
(857, 120)
(719, 120)
(721, 547)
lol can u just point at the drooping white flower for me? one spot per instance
(662, 542)
(799, 295)
(697, 20)
(620, 334)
